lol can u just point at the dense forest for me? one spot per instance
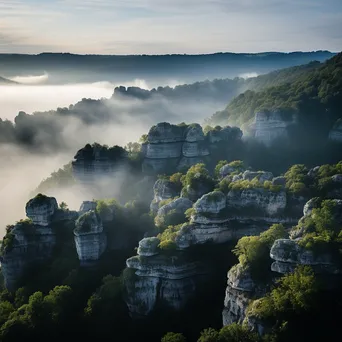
(314, 95)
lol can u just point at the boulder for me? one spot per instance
(148, 246)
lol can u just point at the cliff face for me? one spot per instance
(240, 290)
(155, 280)
(163, 190)
(289, 253)
(220, 218)
(92, 162)
(270, 126)
(32, 240)
(90, 239)
(181, 146)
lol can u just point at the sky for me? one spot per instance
(169, 26)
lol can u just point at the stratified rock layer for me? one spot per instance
(90, 239)
(270, 126)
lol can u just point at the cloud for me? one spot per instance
(160, 26)
(31, 79)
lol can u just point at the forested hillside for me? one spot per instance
(315, 94)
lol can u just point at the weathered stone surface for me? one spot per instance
(213, 202)
(87, 206)
(262, 176)
(279, 181)
(40, 209)
(240, 289)
(164, 150)
(194, 133)
(90, 239)
(186, 162)
(148, 246)
(194, 149)
(270, 126)
(164, 132)
(288, 255)
(313, 172)
(32, 240)
(163, 189)
(310, 205)
(160, 279)
(269, 202)
(226, 133)
(180, 205)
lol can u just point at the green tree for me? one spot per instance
(173, 337)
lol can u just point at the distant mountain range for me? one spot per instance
(66, 68)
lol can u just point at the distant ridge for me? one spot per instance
(4, 80)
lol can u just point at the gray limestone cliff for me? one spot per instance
(240, 290)
(270, 126)
(289, 253)
(32, 240)
(94, 161)
(90, 239)
(171, 147)
(155, 280)
(163, 190)
(219, 218)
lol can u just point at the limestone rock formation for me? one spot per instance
(335, 133)
(171, 147)
(90, 239)
(32, 240)
(263, 201)
(159, 280)
(240, 289)
(219, 218)
(148, 246)
(173, 213)
(94, 161)
(163, 189)
(289, 253)
(87, 206)
(41, 209)
(270, 126)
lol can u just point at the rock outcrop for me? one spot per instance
(94, 161)
(240, 290)
(154, 280)
(335, 133)
(220, 218)
(270, 126)
(163, 189)
(90, 239)
(171, 147)
(32, 240)
(289, 253)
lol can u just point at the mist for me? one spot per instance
(49, 140)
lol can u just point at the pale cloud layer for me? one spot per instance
(169, 26)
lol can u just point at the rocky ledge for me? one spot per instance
(154, 280)
(32, 240)
(270, 126)
(90, 239)
(240, 290)
(220, 218)
(181, 146)
(300, 249)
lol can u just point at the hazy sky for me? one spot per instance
(169, 26)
